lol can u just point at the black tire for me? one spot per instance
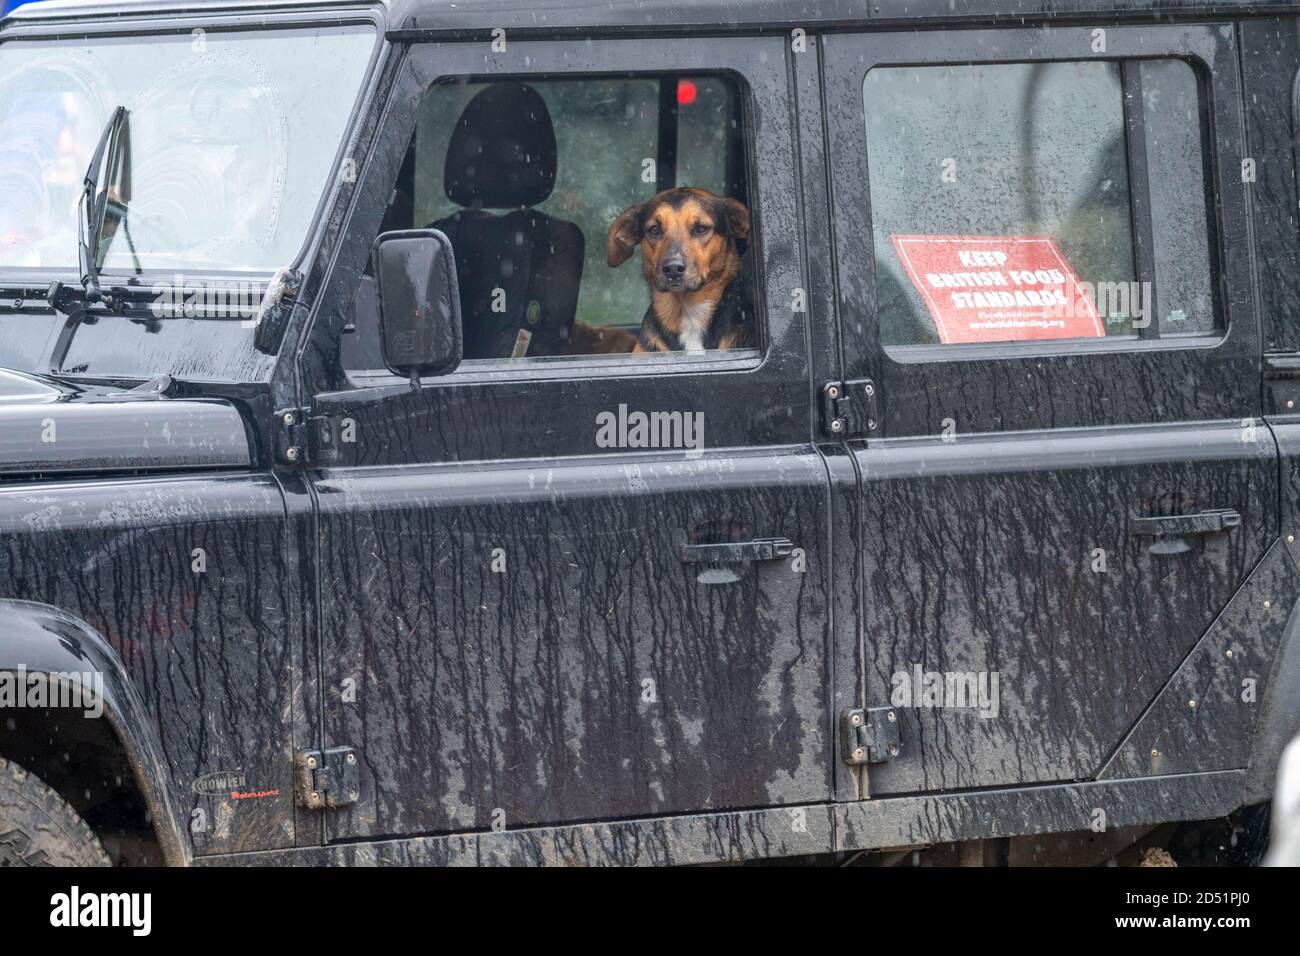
(39, 828)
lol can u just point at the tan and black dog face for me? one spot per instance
(687, 236)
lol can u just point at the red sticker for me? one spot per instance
(998, 288)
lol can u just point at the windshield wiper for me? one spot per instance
(93, 208)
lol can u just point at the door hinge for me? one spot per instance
(869, 735)
(849, 409)
(325, 779)
(302, 437)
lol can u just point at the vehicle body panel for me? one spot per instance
(206, 651)
(84, 436)
(1001, 495)
(592, 673)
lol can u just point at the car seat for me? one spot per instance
(502, 156)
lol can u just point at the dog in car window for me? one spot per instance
(691, 245)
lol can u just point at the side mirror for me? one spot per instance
(419, 302)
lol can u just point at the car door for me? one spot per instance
(518, 626)
(1059, 496)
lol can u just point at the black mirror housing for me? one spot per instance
(419, 302)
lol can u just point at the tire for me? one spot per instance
(39, 828)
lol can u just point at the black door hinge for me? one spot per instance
(869, 735)
(849, 409)
(302, 437)
(324, 779)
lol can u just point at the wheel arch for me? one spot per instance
(43, 640)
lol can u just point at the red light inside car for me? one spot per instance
(686, 92)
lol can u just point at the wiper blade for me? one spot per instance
(93, 207)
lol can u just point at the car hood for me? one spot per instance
(49, 428)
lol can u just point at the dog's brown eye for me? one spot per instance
(701, 229)
(653, 230)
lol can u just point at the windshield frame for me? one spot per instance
(230, 21)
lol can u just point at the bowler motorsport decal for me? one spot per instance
(219, 783)
(998, 288)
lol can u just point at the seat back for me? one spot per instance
(519, 275)
(519, 271)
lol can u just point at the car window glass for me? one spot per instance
(1002, 201)
(230, 138)
(528, 179)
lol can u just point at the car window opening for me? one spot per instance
(590, 216)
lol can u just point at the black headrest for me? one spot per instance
(502, 152)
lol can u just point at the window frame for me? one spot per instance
(578, 366)
(1271, 82)
(1041, 372)
(1140, 215)
(727, 387)
(737, 161)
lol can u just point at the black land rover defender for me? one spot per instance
(349, 513)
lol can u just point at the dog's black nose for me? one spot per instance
(674, 268)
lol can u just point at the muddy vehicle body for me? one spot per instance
(321, 541)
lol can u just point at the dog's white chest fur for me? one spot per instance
(695, 322)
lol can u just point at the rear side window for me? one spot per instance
(1034, 201)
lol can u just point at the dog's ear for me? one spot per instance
(735, 218)
(624, 234)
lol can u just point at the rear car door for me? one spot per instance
(1041, 241)
(513, 632)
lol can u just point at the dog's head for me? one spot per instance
(688, 238)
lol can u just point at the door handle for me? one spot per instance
(1169, 534)
(1204, 522)
(737, 552)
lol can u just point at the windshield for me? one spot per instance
(231, 138)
